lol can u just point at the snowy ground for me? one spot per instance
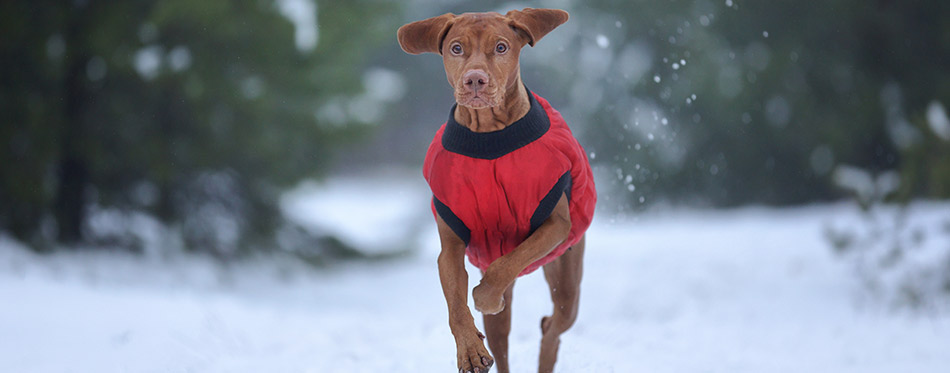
(750, 290)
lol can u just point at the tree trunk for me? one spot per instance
(73, 170)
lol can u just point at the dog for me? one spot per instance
(512, 188)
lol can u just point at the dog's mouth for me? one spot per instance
(476, 100)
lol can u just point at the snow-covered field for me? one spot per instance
(749, 290)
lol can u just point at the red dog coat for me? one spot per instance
(494, 189)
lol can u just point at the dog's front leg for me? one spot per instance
(489, 294)
(472, 355)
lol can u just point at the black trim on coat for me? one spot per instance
(491, 145)
(547, 204)
(453, 221)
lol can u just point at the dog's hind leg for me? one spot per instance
(564, 280)
(497, 328)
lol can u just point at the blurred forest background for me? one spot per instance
(195, 116)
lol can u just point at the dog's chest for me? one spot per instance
(500, 195)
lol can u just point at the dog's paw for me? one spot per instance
(487, 300)
(472, 355)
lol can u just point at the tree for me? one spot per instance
(735, 102)
(196, 112)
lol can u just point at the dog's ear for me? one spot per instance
(425, 35)
(536, 23)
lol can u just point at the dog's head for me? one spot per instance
(480, 50)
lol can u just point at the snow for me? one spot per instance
(179, 58)
(938, 121)
(377, 214)
(865, 186)
(147, 61)
(303, 14)
(748, 290)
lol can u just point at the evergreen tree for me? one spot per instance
(196, 112)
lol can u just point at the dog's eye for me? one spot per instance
(501, 48)
(456, 49)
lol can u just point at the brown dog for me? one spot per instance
(489, 169)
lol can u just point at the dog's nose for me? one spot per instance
(475, 79)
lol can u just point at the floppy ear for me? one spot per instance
(536, 22)
(425, 35)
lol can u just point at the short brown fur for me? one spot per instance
(480, 53)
